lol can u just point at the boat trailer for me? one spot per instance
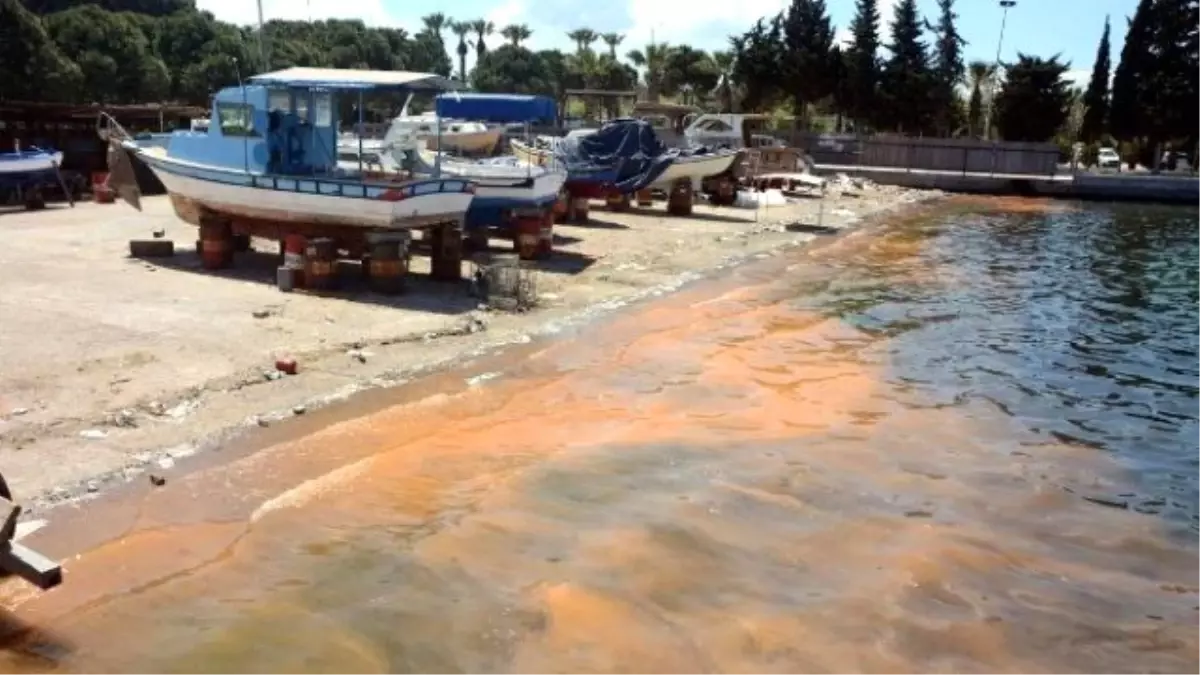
(18, 559)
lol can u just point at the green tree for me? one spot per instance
(1095, 100)
(980, 73)
(31, 66)
(516, 33)
(862, 63)
(688, 69)
(1133, 69)
(653, 59)
(807, 55)
(483, 28)
(758, 54)
(724, 66)
(112, 53)
(948, 69)
(613, 40)
(510, 69)
(461, 29)
(583, 38)
(906, 85)
(1169, 97)
(1034, 101)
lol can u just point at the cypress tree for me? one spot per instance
(948, 69)
(862, 63)
(1124, 108)
(807, 54)
(1096, 96)
(905, 85)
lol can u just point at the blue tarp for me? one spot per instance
(497, 107)
(627, 146)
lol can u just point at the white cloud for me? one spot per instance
(1078, 76)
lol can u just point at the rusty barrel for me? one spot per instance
(320, 260)
(293, 256)
(216, 243)
(528, 233)
(545, 245)
(388, 266)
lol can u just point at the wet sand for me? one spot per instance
(112, 367)
(733, 478)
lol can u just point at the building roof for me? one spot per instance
(343, 78)
(89, 110)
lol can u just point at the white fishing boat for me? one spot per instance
(269, 154)
(469, 138)
(502, 185)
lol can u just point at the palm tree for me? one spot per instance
(612, 40)
(654, 59)
(724, 63)
(980, 74)
(516, 33)
(461, 29)
(435, 23)
(583, 38)
(482, 28)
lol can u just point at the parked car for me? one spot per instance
(1107, 158)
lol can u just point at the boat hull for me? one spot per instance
(14, 164)
(696, 168)
(196, 189)
(580, 182)
(471, 142)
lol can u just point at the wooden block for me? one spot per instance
(151, 248)
(30, 565)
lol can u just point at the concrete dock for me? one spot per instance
(1163, 188)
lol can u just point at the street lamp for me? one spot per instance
(987, 119)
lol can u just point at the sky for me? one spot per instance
(1071, 28)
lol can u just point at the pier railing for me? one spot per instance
(962, 155)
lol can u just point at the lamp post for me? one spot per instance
(987, 118)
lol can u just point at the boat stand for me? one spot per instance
(18, 559)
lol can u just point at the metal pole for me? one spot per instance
(360, 134)
(987, 118)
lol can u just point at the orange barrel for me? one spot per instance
(388, 261)
(320, 258)
(561, 205)
(645, 197)
(293, 256)
(446, 252)
(617, 202)
(545, 246)
(216, 243)
(529, 230)
(578, 212)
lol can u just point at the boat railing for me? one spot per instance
(109, 128)
(348, 188)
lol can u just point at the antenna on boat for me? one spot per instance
(262, 50)
(245, 111)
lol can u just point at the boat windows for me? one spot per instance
(279, 99)
(236, 119)
(715, 125)
(322, 109)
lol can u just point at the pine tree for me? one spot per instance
(906, 83)
(1096, 97)
(948, 69)
(807, 54)
(1124, 108)
(862, 63)
(1169, 92)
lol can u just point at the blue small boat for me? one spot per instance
(25, 172)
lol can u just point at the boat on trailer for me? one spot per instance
(269, 155)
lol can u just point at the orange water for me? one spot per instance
(730, 479)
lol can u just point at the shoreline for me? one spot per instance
(192, 422)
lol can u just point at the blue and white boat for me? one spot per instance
(270, 154)
(32, 162)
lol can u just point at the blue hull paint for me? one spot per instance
(486, 212)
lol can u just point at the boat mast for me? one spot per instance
(262, 49)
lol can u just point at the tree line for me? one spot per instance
(904, 73)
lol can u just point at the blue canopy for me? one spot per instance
(497, 107)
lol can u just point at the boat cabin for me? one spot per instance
(285, 123)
